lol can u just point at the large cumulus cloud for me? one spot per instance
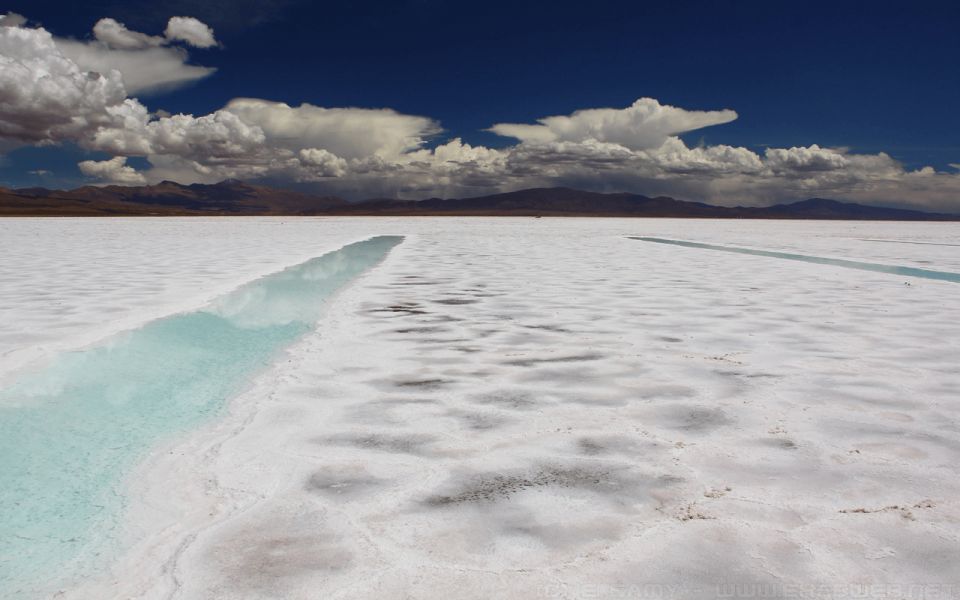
(147, 63)
(643, 125)
(44, 96)
(54, 90)
(346, 132)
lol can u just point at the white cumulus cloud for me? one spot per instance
(114, 170)
(322, 163)
(192, 31)
(809, 159)
(115, 34)
(644, 124)
(347, 132)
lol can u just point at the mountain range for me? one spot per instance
(232, 197)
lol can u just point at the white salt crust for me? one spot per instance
(529, 408)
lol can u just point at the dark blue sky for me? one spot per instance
(872, 76)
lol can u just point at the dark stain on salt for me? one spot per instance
(402, 309)
(552, 328)
(400, 444)
(478, 421)
(508, 399)
(530, 362)
(493, 487)
(340, 485)
(427, 329)
(701, 419)
(428, 384)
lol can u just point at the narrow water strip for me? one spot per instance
(836, 262)
(909, 242)
(70, 431)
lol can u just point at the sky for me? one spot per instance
(742, 102)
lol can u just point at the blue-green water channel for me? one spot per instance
(71, 430)
(836, 262)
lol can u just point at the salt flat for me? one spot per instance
(535, 408)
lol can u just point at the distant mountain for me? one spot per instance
(820, 208)
(233, 197)
(570, 202)
(228, 197)
(543, 202)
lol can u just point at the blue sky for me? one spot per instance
(858, 78)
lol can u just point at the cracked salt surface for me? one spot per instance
(739, 423)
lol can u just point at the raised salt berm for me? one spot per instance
(70, 430)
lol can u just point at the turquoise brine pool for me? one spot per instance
(836, 262)
(70, 431)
